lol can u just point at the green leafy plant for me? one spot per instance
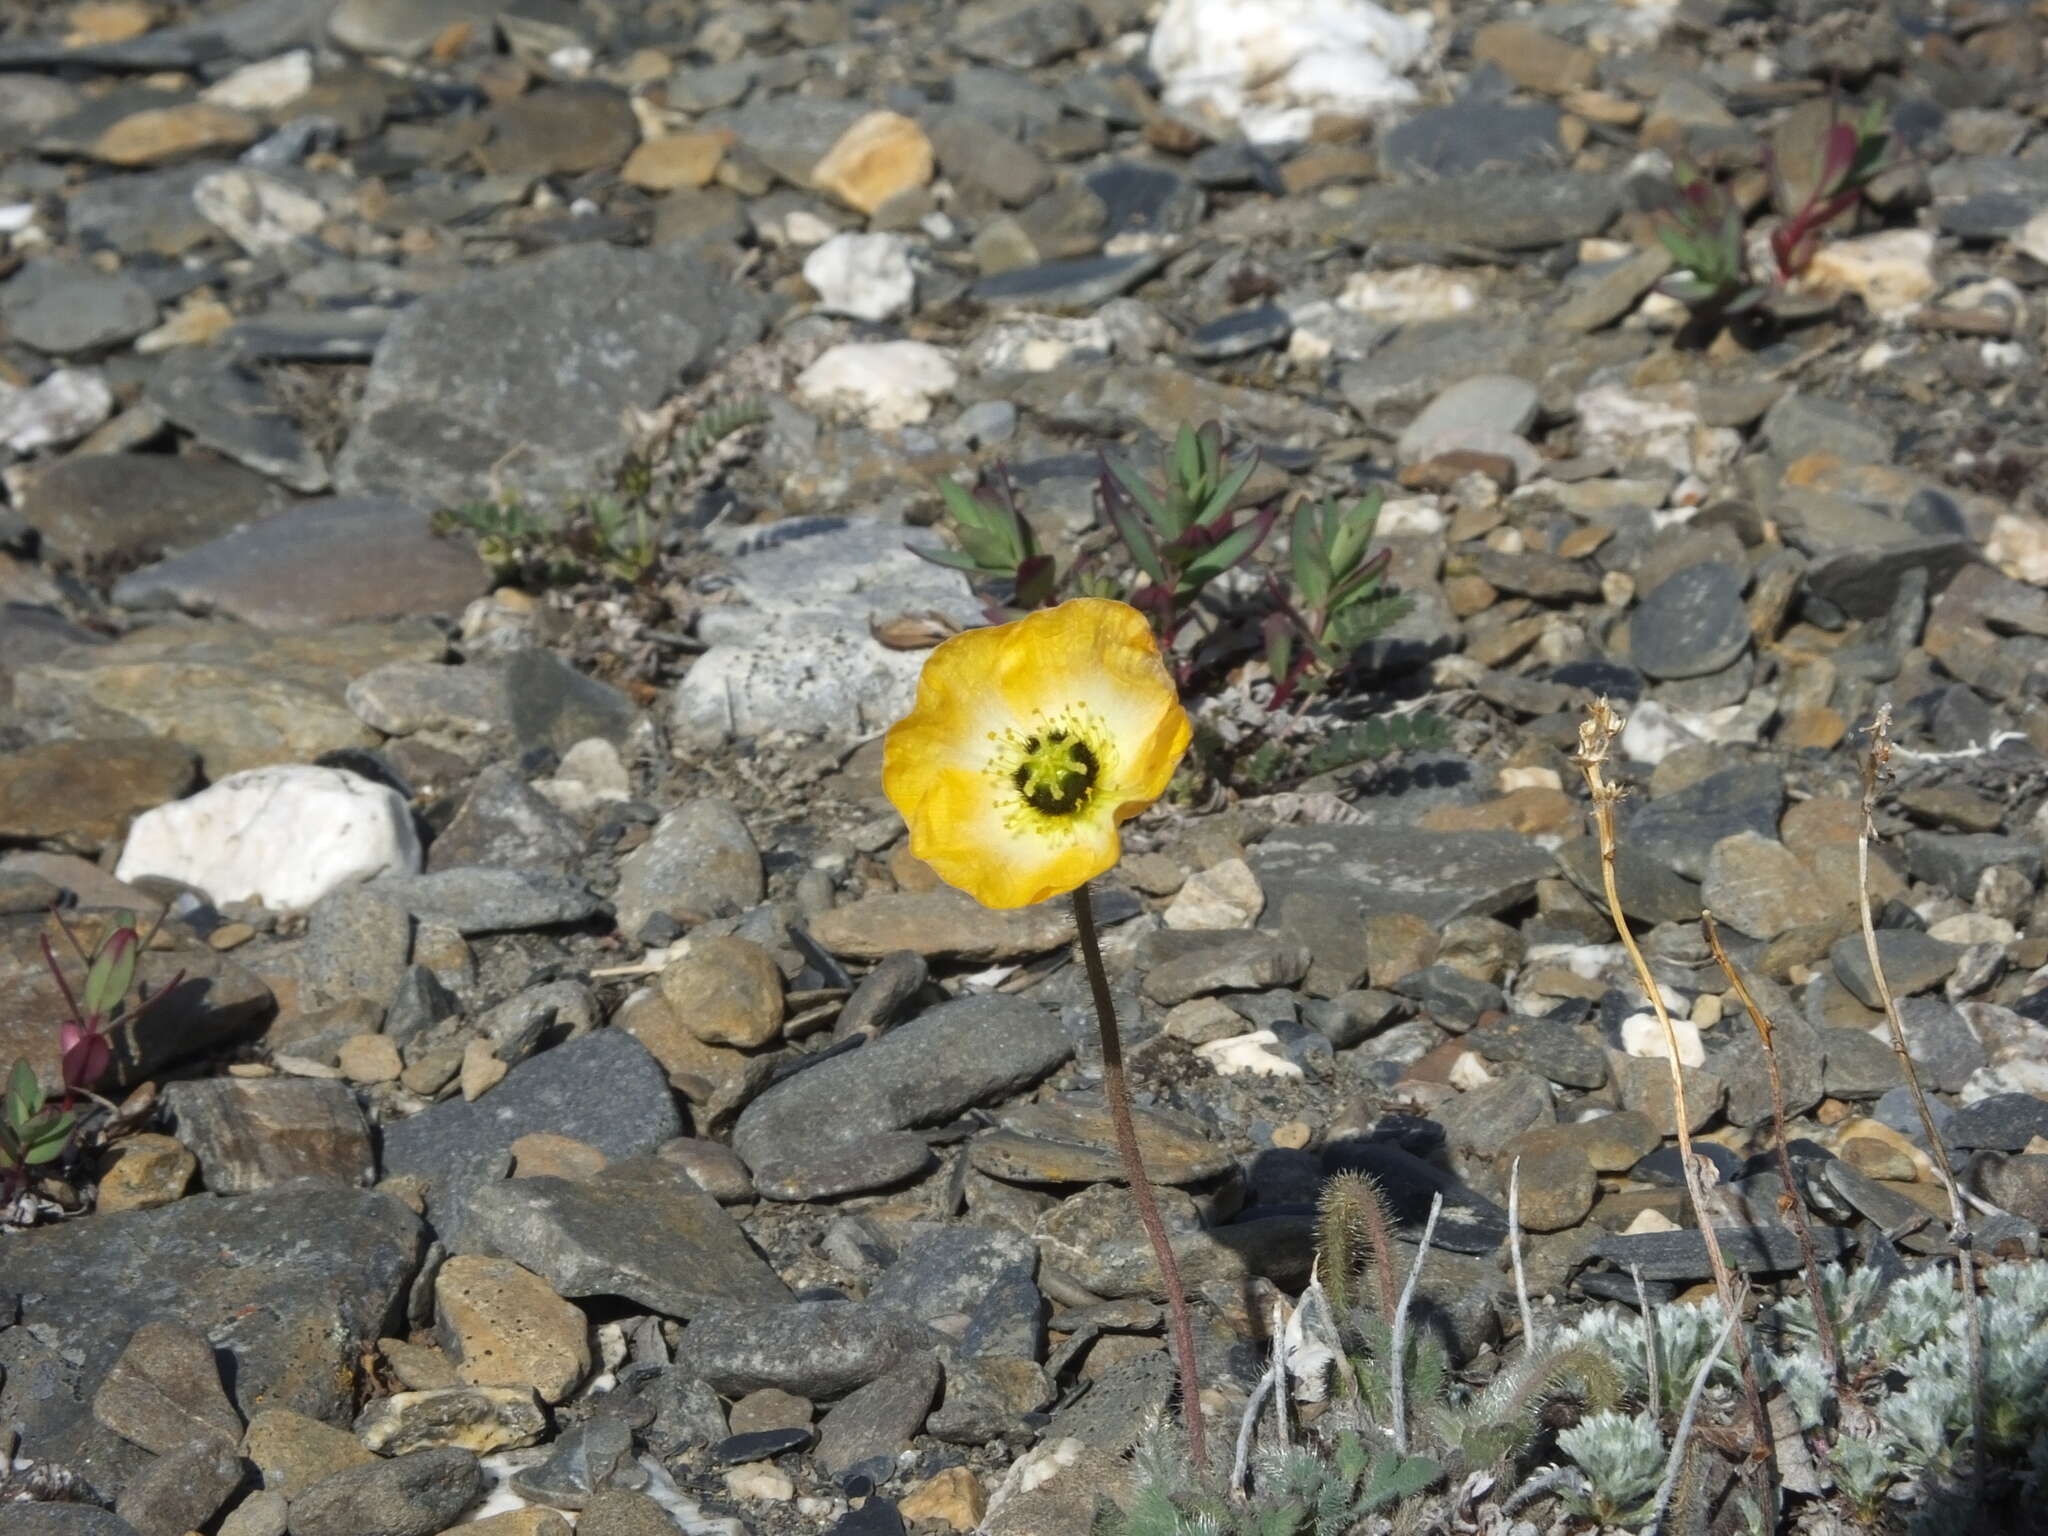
(1704, 236)
(613, 536)
(33, 1131)
(996, 542)
(1337, 603)
(85, 1049)
(1182, 532)
(1851, 156)
(1622, 1457)
(1705, 232)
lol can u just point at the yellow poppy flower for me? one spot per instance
(1028, 746)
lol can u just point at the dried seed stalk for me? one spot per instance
(1597, 734)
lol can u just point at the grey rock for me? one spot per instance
(402, 698)
(878, 996)
(1497, 211)
(64, 1520)
(1800, 1051)
(817, 1349)
(2003, 1122)
(974, 155)
(603, 1089)
(1421, 360)
(554, 705)
(1690, 624)
(1681, 828)
(331, 561)
(290, 1283)
(640, 1229)
(1023, 34)
(1370, 869)
(1450, 997)
(700, 862)
(314, 336)
(838, 1168)
(491, 900)
(1474, 136)
(357, 944)
(251, 1134)
(416, 1495)
(1956, 861)
(982, 1284)
(1945, 1050)
(142, 504)
(164, 1392)
(1800, 424)
(61, 308)
(1180, 964)
(1485, 1119)
(1554, 1048)
(146, 212)
(1474, 413)
(1651, 891)
(232, 411)
(954, 1056)
(1131, 1393)
(504, 821)
(1070, 1139)
(525, 370)
(879, 1419)
(1081, 283)
(1758, 1250)
(181, 1490)
(587, 1459)
(1912, 963)
(1141, 199)
(1859, 1065)
(1240, 334)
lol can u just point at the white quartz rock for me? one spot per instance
(1272, 66)
(285, 836)
(865, 276)
(889, 384)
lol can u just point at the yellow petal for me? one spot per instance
(958, 829)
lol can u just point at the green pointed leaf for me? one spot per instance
(47, 1141)
(1311, 561)
(1137, 539)
(1226, 493)
(24, 1094)
(112, 972)
(965, 506)
(951, 558)
(1225, 553)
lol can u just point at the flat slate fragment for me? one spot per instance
(1683, 1255)
(1435, 875)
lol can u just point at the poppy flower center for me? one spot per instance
(1051, 770)
(1057, 773)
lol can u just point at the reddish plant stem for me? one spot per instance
(1117, 1091)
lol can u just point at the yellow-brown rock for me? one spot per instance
(881, 155)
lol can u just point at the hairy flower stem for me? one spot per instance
(1596, 737)
(1823, 1323)
(1876, 764)
(1117, 1091)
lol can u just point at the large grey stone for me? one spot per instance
(331, 561)
(252, 1134)
(699, 862)
(601, 1088)
(1499, 210)
(957, 1055)
(813, 1348)
(641, 1229)
(62, 308)
(232, 411)
(1435, 875)
(523, 374)
(416, 1495)
(129, 504)
(291, 1285)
